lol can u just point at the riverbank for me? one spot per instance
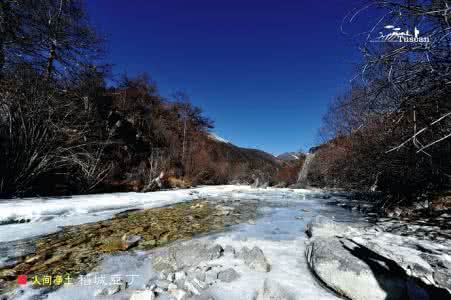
(127, 237)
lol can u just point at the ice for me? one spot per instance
(279, 232)
(48, 215)
(134, 268)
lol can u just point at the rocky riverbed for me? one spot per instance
(78, 249)
(240, 243)
(227, 243)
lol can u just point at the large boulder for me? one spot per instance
(325, 227)
(186, 255)
(427, 262)
(332, 260)
(367, 263)
(254, 259)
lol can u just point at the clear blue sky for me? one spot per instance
(264, 71)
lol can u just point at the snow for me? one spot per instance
(279, 233)
(47, 215)
(215, 137)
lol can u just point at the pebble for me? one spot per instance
(229, 249)
(228, 275)
(171, 277)
(143, 295)
(179, 294)
(180, 275)
(162, 283)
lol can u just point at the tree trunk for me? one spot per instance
(4, 9)
(50, 59)
(184, 141)
(2, 56)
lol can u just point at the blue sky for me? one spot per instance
(264, 71)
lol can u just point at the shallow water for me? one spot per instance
(278, 231)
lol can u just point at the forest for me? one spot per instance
(391, 130)
(67, 128)
(64, 130)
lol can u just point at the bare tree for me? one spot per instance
(409, 49)
(67, 39)
(393, 127)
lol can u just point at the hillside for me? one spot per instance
(289, 156)
(219, 161)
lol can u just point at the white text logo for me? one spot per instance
(395, 35)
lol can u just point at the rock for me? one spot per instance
(325, 227)
(243, 253)
(163, 274)
(368, 263)
(180, 275)
(151, 286)
(148, 244)
(424, 261)
(129, 241)
(33, 259)
(56, 258)
(204, 296)
(201, 284)
(197, 273)
(229, 249)
(143, 295)
(211, 276)
(186, 255)
(164, 263)
(179, 294)
(8, 273)
(254, 258)
(163, 284)
(100, 292)
(228, 275)
(272, 290)
(194, 287)
(171, 277)
(112, 289)
(348, 275)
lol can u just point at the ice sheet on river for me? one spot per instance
(47, 215)
(279, 233)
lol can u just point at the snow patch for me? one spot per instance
(48, 215)
(215, 137)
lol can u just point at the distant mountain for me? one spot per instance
(290, 156)
(225, 162)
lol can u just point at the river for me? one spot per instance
(278, 230)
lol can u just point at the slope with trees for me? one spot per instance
(392, 130)
(63, 130)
